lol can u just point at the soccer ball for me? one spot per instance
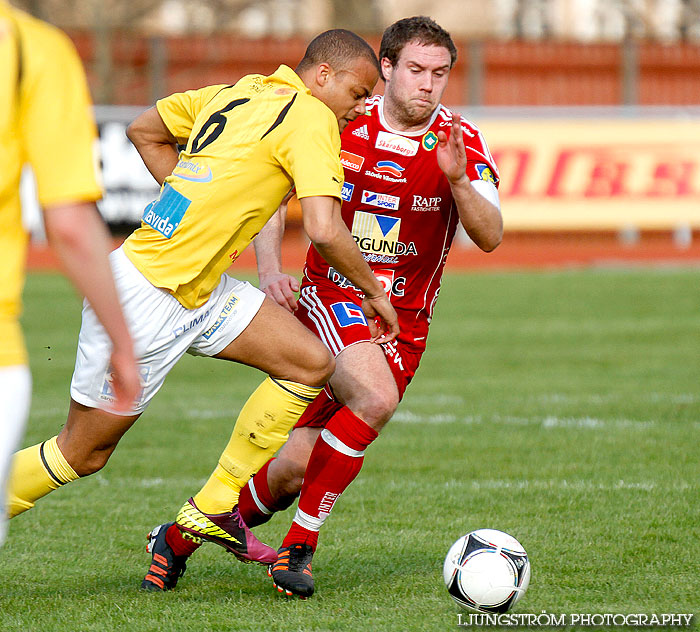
(487, 571)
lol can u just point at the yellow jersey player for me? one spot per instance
(45, 120)
(246, 145)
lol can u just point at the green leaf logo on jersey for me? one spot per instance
(430, 140)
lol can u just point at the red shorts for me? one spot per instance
(340, 322)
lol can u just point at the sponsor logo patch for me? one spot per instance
(351, 161)
(376, 233)
(397, 144)
(107, 392)
(392, 285)
(384, 176)
(348, 314)
(166, 213)
(194, 172)
(178, 331)
(226, 311)
(380, 200)
(424, 204)
(485, 173)
(377, 237)
(389, 167)
(347, 191)
(391, 350)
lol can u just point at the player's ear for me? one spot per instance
(323, 73)
(387, 68)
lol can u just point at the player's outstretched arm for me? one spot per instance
(79, 238)
(278, 286)
(325, 227)
(155, 143)
(481, 219)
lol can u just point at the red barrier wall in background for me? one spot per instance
(513, 72)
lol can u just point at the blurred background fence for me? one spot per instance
(591, 107)
(511, 52)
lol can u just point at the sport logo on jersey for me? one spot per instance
(381, 200)
(166, 213)
(389, 167)
(351, 161)
(396, 143)
(485, 173)
(362, 132)
(347, 191)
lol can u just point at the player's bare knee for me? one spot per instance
(286, 478)
(376, 407)
(318, 366)
(290, 487)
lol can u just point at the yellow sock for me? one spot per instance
(261, 429)
(35, 472)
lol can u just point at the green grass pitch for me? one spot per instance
(561, 407)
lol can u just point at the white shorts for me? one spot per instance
(162, 330)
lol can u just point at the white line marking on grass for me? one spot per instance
(209, 414)
(438, 399)
(675, 398)
(407, 416)
(175, 412)
(567, 398)
(45, 413)
(591, 422)
(568, 484)
(147, 483)
(549, 422)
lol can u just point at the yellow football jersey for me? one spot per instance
(45, 120)
(246, 146)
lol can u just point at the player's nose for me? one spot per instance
(426, 82)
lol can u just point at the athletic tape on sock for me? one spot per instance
(256, 500)
(309, 522)
(338, 445)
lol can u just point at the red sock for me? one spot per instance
(319, 412)
(334, 463)
(256, 503)
(180, 543)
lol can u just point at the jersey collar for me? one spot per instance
(420, 132)
(284, 74)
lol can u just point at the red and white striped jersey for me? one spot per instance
(399, 207)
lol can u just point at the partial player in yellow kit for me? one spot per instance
(247, 145)
(46, 122)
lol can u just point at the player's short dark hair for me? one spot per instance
(338, 48)
(419, 28)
